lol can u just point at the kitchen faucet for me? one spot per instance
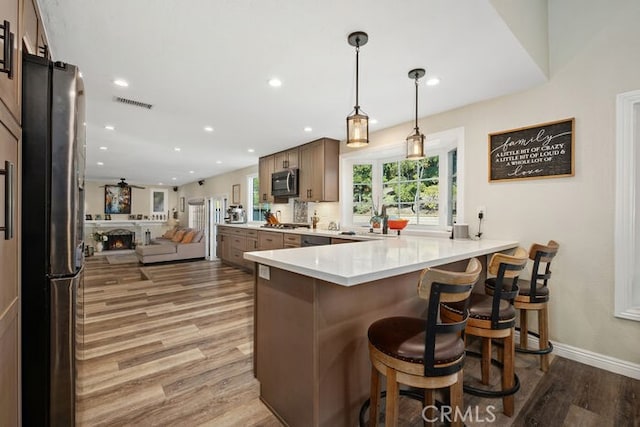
(385, 220)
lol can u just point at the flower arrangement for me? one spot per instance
(100, 237)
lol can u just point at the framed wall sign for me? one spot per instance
(541, 151)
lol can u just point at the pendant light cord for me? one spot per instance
(357, 107)
(416, 80)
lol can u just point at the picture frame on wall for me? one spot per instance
(235, 193)
(159, 201)
(117, 200)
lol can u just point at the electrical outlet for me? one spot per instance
(483, 210)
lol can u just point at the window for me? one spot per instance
(255, 209)
(627, 228)
(425, 191)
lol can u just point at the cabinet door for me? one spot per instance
(30, 26)
(286, 159)
(9, 290)
(265, 169)
(311, 170)
(10, 87)
(270, 240)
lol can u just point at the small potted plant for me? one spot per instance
(376, 217)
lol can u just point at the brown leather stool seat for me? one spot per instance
(404, 337)
(525, 293)
(424, 353)
(480, 307)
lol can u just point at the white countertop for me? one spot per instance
(353, 264)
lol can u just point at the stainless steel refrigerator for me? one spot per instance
(53, 159)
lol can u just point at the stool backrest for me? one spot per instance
(541, 254)
(507, 269)
(439, 286)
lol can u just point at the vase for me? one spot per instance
(375, 221)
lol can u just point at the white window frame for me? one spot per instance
(250, 189)
(439, 143)
(627, 282)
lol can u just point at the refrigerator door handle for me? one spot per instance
(9, 200)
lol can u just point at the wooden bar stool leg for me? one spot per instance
(543, 327)
(429, 403)
(374, 406)
(485, 363)
(508, 372)
(524, 329)
(391, 417)
(456, 401)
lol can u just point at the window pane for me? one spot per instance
(362, 198)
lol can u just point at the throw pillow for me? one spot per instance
(178, 236)
(198, 236)
(188, 238)
(169, 233)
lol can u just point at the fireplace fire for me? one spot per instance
(119, 239)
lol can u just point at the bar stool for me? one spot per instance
(427, 355)
(534, 295)
(493, 317)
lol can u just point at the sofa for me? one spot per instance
(174, 245)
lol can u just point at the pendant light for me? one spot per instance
(415, 141)
(357, 121)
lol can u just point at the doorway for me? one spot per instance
(216, 208)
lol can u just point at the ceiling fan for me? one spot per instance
(125, 184)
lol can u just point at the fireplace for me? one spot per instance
(119, 239)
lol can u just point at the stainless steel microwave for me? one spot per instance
(285, 183)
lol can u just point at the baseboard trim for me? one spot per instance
(597, 360)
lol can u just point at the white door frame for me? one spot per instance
(216, 207)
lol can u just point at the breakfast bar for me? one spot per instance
(314, 306)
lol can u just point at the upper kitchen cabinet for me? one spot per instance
(34, 38)
(319, 171)
(286, 160)
(266, 167)
(10, 56)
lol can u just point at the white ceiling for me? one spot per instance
(207, 62)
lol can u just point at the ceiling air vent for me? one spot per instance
(132, 102)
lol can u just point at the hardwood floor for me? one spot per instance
(172, 345)
(173, 349)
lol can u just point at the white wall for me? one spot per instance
(587, 71)
(140, 200)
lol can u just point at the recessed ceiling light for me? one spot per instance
(208, 129)
(308, 129)
(109, 127)
(373, 121)
(218, 162)
(191, 172)
(251, 150)
(275, 82)
(100, 164)
(433, 81)
(174, 178)
(121, 83)
(177, 149)
(103, 148)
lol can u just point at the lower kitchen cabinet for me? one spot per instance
(270, 240)
(291, 240)
(233, 242)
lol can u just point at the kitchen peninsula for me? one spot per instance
(313, 308)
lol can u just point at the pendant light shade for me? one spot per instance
(415, 141)
(357, 121)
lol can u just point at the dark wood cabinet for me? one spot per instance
(266, 167)
(319, 166)
(292, 240)
(233, 242)
(286, 159)
(270, 240)
(10, 81)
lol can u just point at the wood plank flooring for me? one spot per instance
(171, 345)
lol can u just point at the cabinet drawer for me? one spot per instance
(337, 240)
(291, 240)
(238, 242)
(251, 233)
(236, 256)
(270, 240)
